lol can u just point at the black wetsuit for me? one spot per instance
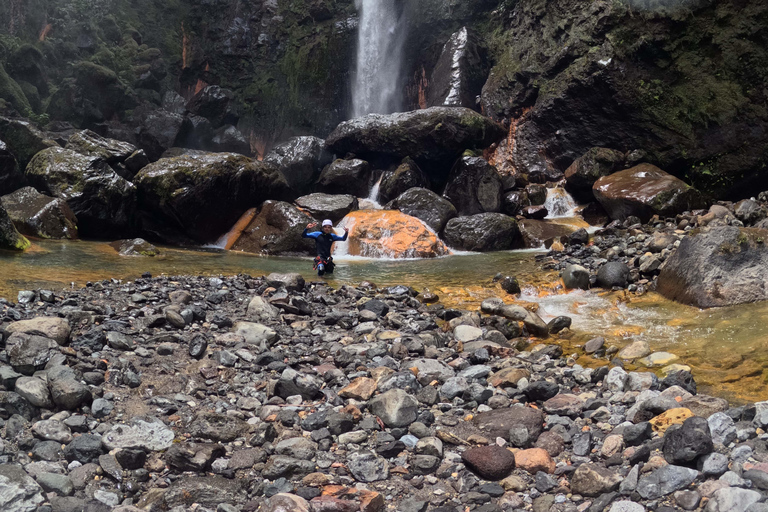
(323, 243)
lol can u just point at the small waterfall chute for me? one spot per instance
(372, 201)
(559, 203)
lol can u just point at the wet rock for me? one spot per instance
(613, 273)
(345, 177)
(101, 200)
(38, 215)
(21, 138)
(11, 177)
(413, 134)
(300, 160)
(276, 229)
(460, 72)
(490, 462)
(588, 168)
(482, 232)
(716, 267)
(135, 247)
(10, 238)
(203, 195)
(576, 276)
(541, 232)
(228, 139)
(90, 143)
(213, 103)
(328, 206)
(474, 186)
(644, 191)
(406, 176)
(391, 234)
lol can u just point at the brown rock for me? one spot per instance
(362, 388)
(705, 405)
(496, 423)
(331, 504)
(490, 462)
(564, 404)
(508, 377)
(534, 460)
(668, 418)
(594, 480)
(551, 442)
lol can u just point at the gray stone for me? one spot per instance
(55, 328)
(35, 391)
(367, 467)
(732, 499)
(60, 484)
(84, 448)
(28, 352)
(665, 480)
(722, 428)
(18, 492)
(594, 480)
(714, 464)
(256, 334)
(626, 506)
(143, 432)
(52, 430)
(101, 408)
(298, 447)
(616, 380)
(67, 392)
(576, 276)
(396, 408)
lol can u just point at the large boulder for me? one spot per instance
(474, 186)
(590, 167)
(539, 232)
(433, 210)
(460, 72)
(276, 229)
(407, 175)
(300, 159)
(23, 140)
(11, 177)
(215, 104)
(228, 139)
(38, 215)
(483, 232)
(717, 266)
(327, 206)
(346, 177)
(200, 196)
(644, 191)
(90, 143)
(159, 130)
(390, 234)
(436, 135)
(10, 238)
(103, 201)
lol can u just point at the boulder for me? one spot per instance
(499, 422)
(159, 130)
(103, 201)
(433, 210)
(202, 195)
(28, 353)
(460, 72)
(300, 159)
(213, 103)
(55, 328)
(346, 177)
(10, 238)
(228, 139)
(436, 135)
(391, 234)
(327, 206)
(613, 273)
(474, 187)
(406, 176)
(135, 247)
(276, 229)
(483, 232)
(38, 215)
(644, 191)
(11, 176)
(717, 266)
(513, 202)
(582, 174)
(489, 462)
(90, 143)
(537, 233)
(23, 140)
(576, 276)
(18, 491)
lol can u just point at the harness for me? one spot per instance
(326, 262)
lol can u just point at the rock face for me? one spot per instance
(460, 72)
(300, 160)
(276, 230)
(346, 177)
(327, 206)
(387, 233)
(432, 136)
(717, 266)
(483, 232)
(202, 195)
(103, 201)
(38, 215)
(10, 238)
(644, 191)
(590, 167)
(433, 210)
(474, 187)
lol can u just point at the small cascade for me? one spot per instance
(379, 56)
(228, 239)
(372, 201)
(559, 203)
(388, 234)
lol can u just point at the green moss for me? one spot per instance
(13, 94)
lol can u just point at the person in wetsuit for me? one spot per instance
(323, 241)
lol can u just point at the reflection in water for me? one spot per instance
(726, 347)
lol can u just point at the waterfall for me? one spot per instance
(379, 54)
(559, 203)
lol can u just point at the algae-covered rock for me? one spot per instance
(23, 140)
(93, 144)
(135, 247)
(36, 214)
(12, 93)
(9, 237)
(436, 135)
(200, 196)
(103, 202)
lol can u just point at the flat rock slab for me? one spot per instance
(147, 433)
(496, 423)
(18, 492)
(665, 480)
(55, 328)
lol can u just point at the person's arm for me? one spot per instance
(307, 234)
(337, 238)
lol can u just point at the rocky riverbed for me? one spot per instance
(273, 394)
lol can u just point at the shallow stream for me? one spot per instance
(726, 347)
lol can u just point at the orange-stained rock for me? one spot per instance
(362, 388)
(316, 480)
(534, 460)
(668, 418)
(353, 411)
(389, 234)
(508, 377)
(370, 501)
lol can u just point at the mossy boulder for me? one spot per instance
(718, 266)
(38, 215)
(158, 131)
(104, 202)
(433, 137)
(90, 143)
(26, 64)
(135, 247)
(644, 191)
(23, 139)
(10, 238)
(483, 232)
(11, 92)
(199, 197)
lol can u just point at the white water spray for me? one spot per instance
(559, 203)
(379, 55)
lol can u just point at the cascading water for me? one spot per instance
(559, 203)
(379, 55)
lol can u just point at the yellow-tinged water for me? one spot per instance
(727, 348)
